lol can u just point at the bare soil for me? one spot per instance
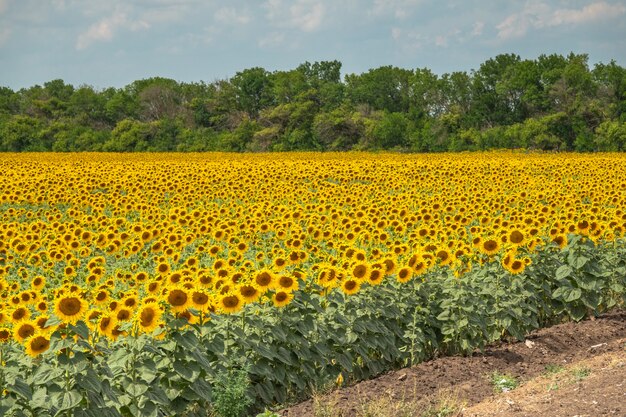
(570, 369)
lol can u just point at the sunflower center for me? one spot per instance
(248, 291)
(70, 306)
(147, 317)
(490, 245)
(26, 330)
(177, 298)
(359, 271)
(200, 298)
(39, 344)
(350, 285)
(263, 279)
(231, 301)
(285, 282)
(516, 236)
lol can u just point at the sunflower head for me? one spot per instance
(70, 308)
(230, 303)
(282, 298)
(37, 344)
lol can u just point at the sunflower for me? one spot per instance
(70, 308)
(350, 286)
(360, 270)
(123, 314)
(390, 266)
(516, 237)
(178, 298)
(282, 298)
(560, 240)
(490, 247)
(279, 263)
(101, 297)
(18, 314)
(404, 274)
(148, 317)
(517, 266)
(37, 344)
(249, 293)
(108, 326)
(38, 283)
(5, 334)
(264, 280)
(201, 300)
(24, 330)
(287, 283)
(42, 306)
(375, 276)
(163, 268)
(420, 267)
(230, 303)
(444, 257)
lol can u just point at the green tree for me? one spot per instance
(253, 90)
(21, 133)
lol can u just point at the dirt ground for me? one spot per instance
(571, 369)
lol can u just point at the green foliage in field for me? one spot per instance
(264, 356)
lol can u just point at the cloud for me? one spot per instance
(105, 29)
(477, 29)
(409, 39)
(305, 15)
(441, 41)
(593, 12)
(400, 9)
(271, 40)
(537, 15)
(230, 16)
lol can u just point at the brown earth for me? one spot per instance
(571, 369)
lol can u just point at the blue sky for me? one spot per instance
(114, 42)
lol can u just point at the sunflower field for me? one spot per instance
(138, 284)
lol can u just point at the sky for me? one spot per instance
(110, 43)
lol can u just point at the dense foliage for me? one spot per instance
(164, 284)
(551, 103)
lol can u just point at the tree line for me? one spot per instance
(554, 102)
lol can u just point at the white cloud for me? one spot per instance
(105, 29)
(272, 40)
(477, 29)
(537, 15)
(400, 9)
(409, 40)
(595, 11)
(441, 41)
(305, 15)
(230, 16)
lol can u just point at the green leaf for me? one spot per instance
(80, 329)
(185, 371)
(148, 409)
(573, 295)
(579, 261)
(137, 389)
(21, 388)
(46, 373)
(39, 399)
(69, 400)
(563, 272)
